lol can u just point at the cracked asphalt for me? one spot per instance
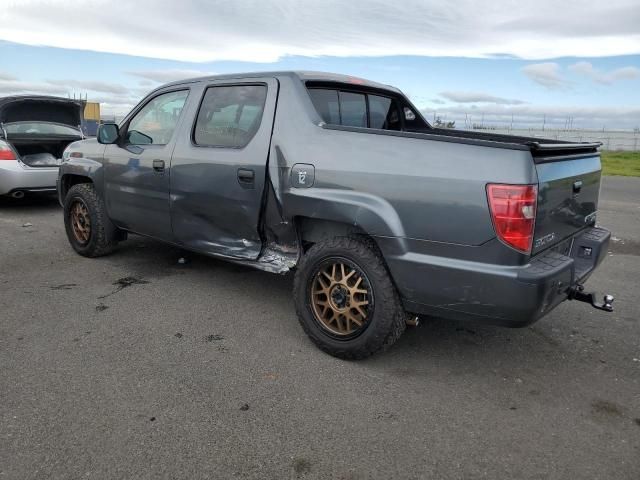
(136, 366)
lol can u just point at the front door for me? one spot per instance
(218, 171)
(137, 169)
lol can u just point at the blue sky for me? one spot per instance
(508, 69)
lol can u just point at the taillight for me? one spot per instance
(513, 210)
(6, 153)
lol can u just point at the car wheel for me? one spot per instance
(345, 299)
(88, 228)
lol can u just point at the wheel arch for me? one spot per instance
(369, 213)
(79, 170)
(68, 180)
(313, 230)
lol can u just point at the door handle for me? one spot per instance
(158, 165)
(246, 177)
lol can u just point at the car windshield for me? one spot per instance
(39, 128)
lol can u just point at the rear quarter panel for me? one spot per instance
(391, 186)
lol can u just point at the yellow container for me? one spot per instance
(92, 111)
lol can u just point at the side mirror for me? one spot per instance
(108, 133)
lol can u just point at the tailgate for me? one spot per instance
(568, 190)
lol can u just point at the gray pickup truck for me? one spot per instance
(382, 216)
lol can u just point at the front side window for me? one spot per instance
(230, 116)
(156, 122)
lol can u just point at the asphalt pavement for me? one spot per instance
(137, 366)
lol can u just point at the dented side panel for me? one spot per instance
(217, 193)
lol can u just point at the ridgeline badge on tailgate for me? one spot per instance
(544, 240)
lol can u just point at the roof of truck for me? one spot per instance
(300, 74)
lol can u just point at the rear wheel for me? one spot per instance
(345, 299)
(88, 228)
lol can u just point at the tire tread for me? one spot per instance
(105, 239)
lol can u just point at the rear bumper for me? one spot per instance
(512, 296)
(14, 176)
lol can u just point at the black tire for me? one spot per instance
(103, 235)
(387, 320)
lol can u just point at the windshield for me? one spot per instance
(40, 128)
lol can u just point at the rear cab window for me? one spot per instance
(348, 106)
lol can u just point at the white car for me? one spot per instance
(34, 131)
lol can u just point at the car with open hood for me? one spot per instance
(34, 132)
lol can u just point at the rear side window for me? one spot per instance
(230, 116)
(383, 113)
(355, 109)
(327, 104)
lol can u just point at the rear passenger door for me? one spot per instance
(218, 170)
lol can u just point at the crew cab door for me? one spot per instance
(137, 173)
(218, 168)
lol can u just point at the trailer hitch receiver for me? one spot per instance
(577, 293)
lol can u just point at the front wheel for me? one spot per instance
(345, 299)
(89, 230)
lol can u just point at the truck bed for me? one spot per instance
(539, 146)
(542, 149)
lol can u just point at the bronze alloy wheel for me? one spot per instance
(80, 222)
(341, 298)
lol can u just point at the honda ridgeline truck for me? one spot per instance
(381, 216)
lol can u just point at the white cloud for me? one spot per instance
(546, 74)
(606, 78)
(478, 97)
(170, 75)
(95, 86)
(7, 77)
(266, 30)
(17, 87)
